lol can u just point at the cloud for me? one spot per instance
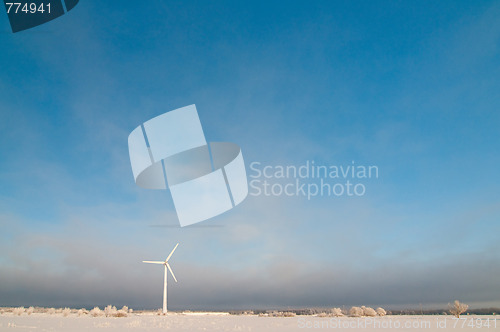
(93, 275)
(94, 258)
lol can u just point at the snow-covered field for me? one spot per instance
(218, 322)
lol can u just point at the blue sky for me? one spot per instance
(410, 87)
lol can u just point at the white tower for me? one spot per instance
(167, 266)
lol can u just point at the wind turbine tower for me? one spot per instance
(167, 266)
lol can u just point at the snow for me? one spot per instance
(224, 322)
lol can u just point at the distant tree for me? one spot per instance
(458, 308)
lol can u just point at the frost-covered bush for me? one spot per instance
(51, 311)
(381, 311)
(356, 312)
(65, 312)
(18, 311)
(110, 311)
(367, 311)
(281, 314)
(82, 312)
(96, 312)
(30, 310)
(336, 312)
(121, 313)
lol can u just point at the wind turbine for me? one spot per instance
(165, 263)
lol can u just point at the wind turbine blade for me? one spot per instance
(153, 262)
(171, 272)
(166, 260)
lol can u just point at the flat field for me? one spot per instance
(225, 322)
